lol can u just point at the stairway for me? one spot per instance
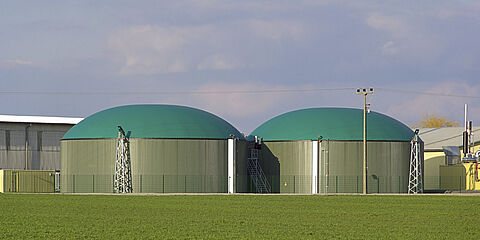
(256, 173)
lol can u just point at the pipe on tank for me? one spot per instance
(26, 145)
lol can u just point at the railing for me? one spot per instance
(256, 173)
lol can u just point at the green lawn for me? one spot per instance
(238, 217)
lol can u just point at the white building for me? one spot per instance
(32, 142)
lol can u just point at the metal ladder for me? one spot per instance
(256, 173)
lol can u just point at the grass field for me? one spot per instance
(238, 217)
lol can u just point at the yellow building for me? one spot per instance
(442, 148)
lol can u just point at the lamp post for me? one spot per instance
(364, 92)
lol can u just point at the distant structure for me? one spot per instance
(32, 142)
(160, 149)
(320, 150)
(443, 147)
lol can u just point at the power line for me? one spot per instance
(426, 93)
(272, 91)
(173, 92)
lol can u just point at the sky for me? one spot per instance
(236, 58)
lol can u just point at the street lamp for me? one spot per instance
(364, 92)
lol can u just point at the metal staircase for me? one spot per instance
(256, 173)
(415, 184)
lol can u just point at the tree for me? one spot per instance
(435, 121)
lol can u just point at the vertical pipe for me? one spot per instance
(327, 166)
(364, 144)
(378, 184)
(231, 165)
(26, 145)
(314, 165)
(465, 134)
(325, 174)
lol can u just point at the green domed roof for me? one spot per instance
(332, 124)
(153, 121)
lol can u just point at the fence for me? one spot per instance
(338, 184)
(301, 184)
(147, 184)
(449, 183)
(27, 181)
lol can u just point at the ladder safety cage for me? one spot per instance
(255, 170)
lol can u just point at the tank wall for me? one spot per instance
(87, 165)
(173, 166)
(158, 165)
(288, 166)
(341, 167)
(242, 178)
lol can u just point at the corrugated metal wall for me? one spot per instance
(288, 166)
(87, 165)
(42, 141)
(243, 179)
(28, 181)
(158, 165)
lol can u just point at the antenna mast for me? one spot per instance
(415, 184)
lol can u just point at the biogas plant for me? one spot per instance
(177, 149)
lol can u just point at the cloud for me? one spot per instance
(217, 62)
(414, 109)
(389, 48)
(154, 49)
(277, 30)
(391, 24)
(405, 38)
(239, 104)
(151, 49)
(17, 62)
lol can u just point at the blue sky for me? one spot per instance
(397, 47)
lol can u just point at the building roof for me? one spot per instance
(332, 124)
(153, 121)
(39, 119)
(436, 138)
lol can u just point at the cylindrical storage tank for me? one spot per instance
(320, 150)
(172, 149)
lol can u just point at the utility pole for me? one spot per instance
(364, 92)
